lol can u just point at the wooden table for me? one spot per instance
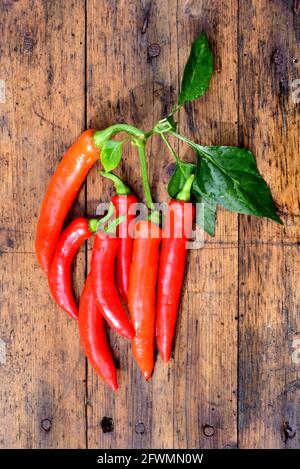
(234, 378)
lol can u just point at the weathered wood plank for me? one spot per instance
(163, 93)
(193, 401)
(42, 375)
(42, 65)
(120, 82)
(269, 298)
(206, 351)
(195, 395)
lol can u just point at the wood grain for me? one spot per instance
(209, 351)
(269, 254)
(117, 92)
(200, 382)
(42, 65)
(233, 379)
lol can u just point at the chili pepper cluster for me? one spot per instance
(140, 273)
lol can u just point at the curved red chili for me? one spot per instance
(141, 296)
(93, 337)
(104, 254)
(123, 202)
(59, 275)
(172, 261)
(61, 192)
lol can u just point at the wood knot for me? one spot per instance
(208, 430)
(46, 425)
(192, 9)
(153, 50)
(140, 428)
(107, 425)
(187, 10)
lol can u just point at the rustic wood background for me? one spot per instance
(234, 379)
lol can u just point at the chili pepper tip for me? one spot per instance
(130, 334)
(147, 375)
(113, 386)
(185, 194)
(165, 357)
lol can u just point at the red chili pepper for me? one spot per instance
(59, 275)
(61, 192)
(141, 296)
(123, 202)
(172, 260)
(93, 337)
(104, 254)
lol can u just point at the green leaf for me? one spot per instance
(230, 177)
(207, 218)
(198, 71)
(111, 154)
(206, 212)
(179, 177)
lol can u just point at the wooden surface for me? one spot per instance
(234, 378)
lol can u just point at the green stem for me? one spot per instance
(111, 228)
(185, 193)
(139, 139)
(94, 223)
(154, 217)
(121, 188)
(173, 152)
(149, 134)
(162, 126)
(100, 136)
(184, 139)
(144, 171)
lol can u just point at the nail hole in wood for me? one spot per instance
(187, 10)
(10, 243)
(107, 425)
(208, 430)
(153, 50)
(46, 424)
(140, 428)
